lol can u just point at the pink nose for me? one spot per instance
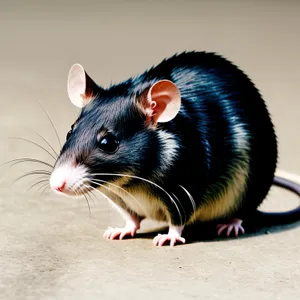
(60, 187)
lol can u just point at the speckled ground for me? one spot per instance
(50, 247)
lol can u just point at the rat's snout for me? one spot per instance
(69, 179)
(60, 186)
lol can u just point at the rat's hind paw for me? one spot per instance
(235, 224)
(119, 233)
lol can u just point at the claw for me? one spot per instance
(234, 224)
(161, 239)
(114, 233)
(130, 229)
(173, 236)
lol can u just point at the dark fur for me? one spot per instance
(215, 96)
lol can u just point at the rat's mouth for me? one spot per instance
(76, 190)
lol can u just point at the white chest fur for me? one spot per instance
(142, 202)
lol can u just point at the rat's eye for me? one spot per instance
(108, 143)
(69, 134)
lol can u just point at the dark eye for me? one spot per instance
(109, 143)
(69, 134)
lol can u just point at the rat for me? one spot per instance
(190, 139)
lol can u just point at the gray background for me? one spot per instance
(50, 248)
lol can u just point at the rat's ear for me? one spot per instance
(81, 88)
(162, 101)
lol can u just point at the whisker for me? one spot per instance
(46, 177)
(89, 194)
(93, 196)
(146, 180)
(180, 205)
(25, 159)
(31, 142)
(44, 190)
(50, 122)
(102, 194)
(35, 184)
(85, 194)
(87, 201)
(45, 140)
(190, 197)
(95, 181)
(77, 185)
(46, 184)
(36, 172)
(75, 192)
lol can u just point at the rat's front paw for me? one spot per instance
(119, 233)
(173, 238)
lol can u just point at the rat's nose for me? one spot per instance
(60, 187)
(64, 177)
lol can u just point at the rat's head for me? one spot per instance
(116, 134)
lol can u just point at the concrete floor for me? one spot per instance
(50, 248)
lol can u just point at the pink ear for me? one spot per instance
(164, 99)
(80, 86)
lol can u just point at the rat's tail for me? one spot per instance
(290, 182)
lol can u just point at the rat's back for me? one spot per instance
(228, 144)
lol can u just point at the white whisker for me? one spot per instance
(102, 185)
(190, 197)
(86, 199)
(180, 205)
(146, 180)
(82, 193)
(106, 197)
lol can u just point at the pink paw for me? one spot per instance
(160, 239)
(234, 224)
(114, 233)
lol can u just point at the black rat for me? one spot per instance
(190, 139)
